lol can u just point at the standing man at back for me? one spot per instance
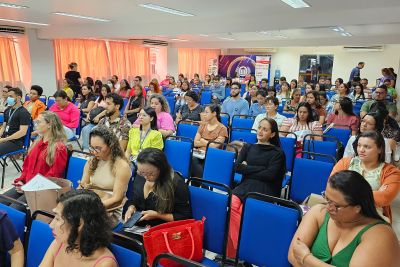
(355, 72)
(235, 105)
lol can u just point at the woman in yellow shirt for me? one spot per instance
(146, 135)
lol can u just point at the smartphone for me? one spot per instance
(133, 220)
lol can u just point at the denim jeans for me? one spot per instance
(85, 135)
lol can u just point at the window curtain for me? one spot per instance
(9, 70)
(128, 60)
(191, 61)
(90, 55)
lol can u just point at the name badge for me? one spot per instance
(7, 128)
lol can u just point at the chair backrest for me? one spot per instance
(215, 159)
(205, 98)
(179, 161)
(43, 98)
(225, 119)
(127, 251)
(309, 176)
(239, 121)
(126, 100)
(76, 163)
(27, 97)
(343, 135)
(187, 129)
(216, 212)
(244, 135)
(325, 147)
(288, 115)
(40, 238)
(27, 139)
(50, 101)
(167, 258)
(19, 219)
(171, 103)
(227, 92)
(357, 107)
(288, 146)
(267, 227)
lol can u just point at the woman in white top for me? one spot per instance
(285, 92)
(271, 105)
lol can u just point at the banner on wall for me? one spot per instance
(244, 65)
(213, 66)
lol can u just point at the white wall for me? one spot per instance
(172, 61)
(288, 60)
(42, 63)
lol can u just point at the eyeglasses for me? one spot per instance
(96, 149)
(147, 174)
(336, 207)
(367, 123)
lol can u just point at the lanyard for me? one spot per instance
(10, 115)
(144, 138)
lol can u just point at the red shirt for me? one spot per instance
(132, 92)
(35, 162)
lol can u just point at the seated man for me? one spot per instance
(217, 90)
(380, 96)
(16, 123)
(120, 126)
(10, 242)
(68, 113)
(235, 105)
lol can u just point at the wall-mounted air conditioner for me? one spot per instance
(11, 30)
(372, 48)
(148, 42)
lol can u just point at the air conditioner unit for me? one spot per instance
(148, 42)
(12, 29)
(373, 48)
(260, 50)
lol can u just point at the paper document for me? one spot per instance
(39, 183)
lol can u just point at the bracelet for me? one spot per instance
(304, 258)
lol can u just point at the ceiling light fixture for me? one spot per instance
(25, 22)
(204, 35)
(80, 17)
(166, 10)
(346, 34)
(226, 38)
(179, 40)
(296, 3)
(9, 5)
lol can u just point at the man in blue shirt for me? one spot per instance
(235, 105)
(259, 106)
(217, 90)
(355, 72)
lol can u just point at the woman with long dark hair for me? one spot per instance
(159, 194)
(262, 166)
(344, 117)
(347, 230)
(135, 104)
(82, 232)
(343, 91)
(319, 113)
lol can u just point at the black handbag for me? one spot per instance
(94, 112)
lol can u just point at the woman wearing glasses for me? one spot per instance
(108, 172)
(158, 193)
(346, 231)
(369, 161)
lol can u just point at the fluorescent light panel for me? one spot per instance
(9, 5)
(25, 22)
(204, 35)
(226, 38)
(166, 10)
(80, 17)
(179, 40)
(296, 3)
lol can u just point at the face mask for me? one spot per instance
(10, 101)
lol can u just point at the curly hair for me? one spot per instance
(85, 205)
(111, 140)
(163, 101)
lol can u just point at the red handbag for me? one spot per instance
(182, 238)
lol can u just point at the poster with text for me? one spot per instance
(262, 69)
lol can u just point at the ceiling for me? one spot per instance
(369, 21)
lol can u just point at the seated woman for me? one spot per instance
(346, 231)
(165, 123)
(372, 122)
(124, 89)
(180, 96)
(343, 91)
(81, 235)
(108, 172)
(211, 130)
(344, 117)
(191, 110)
(158, 194)
(47, 155)
(293, 103)
(302, 124)
(145, 136)
(319, 113)
(369, 161)
(10, 243)
(285, 92)
(99, 105)
(271, 105)
(154, 88)
(135, 104)
(87, 100)
(358, 92)
(34, 105)
(263, 168)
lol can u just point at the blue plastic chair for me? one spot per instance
(288, 115)
(288, 146)
(357, 107)
(215, 159)
(10, 155)
(43, 98)
(126, 100)
(244, 135)
(343, 135)
(330, 146)
(40, 238)
(76, 164)
(19, 219)
(309, 176)
(227, 92)
(181, 161)
(187, 129)
(1, 118)
(242, 89)
(127, 251)
(245, 122)
(267, 228)
(171, 103)
(225, 119)
(50, 101)
(206, 97)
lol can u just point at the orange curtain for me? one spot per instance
(90, 55)
(191, 60)
(128, 60)
(9, 71)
